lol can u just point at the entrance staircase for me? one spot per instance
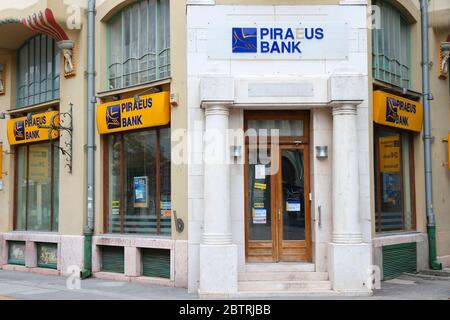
(283, 279)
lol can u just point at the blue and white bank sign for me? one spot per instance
(273, 40)
(279, 41)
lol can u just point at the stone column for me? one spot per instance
(349, 257)
(218, 256)
(346, 224)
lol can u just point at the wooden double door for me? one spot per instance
(277, 187)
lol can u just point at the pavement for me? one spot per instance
(30, 286)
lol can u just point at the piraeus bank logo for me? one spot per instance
(19, 130)
(273, 40)
(392, 111)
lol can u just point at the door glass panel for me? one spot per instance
(293, 202)
(259, 192)
(286, 127)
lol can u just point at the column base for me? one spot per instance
(349, 267)
(218, 270)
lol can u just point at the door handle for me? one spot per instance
(320, 216)
(279, 215)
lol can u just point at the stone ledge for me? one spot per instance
(383, 240)
(19, 268)
(132, 241)
(32, 236)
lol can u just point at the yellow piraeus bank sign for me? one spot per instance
(394, 111)
(150, 111)
(26, 130)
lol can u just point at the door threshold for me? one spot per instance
(280, 266)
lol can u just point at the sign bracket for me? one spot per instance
(65, 124)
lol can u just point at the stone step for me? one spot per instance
(281, 266)
(280, 276)
(277, 286)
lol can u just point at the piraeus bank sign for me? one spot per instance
(273, 40)
(279, 41)
(29, 129)
(395, 111)
(150, 111)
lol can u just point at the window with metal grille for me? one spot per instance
(16, 252)
(391, 47)
(156, 263)
(37, 71)
(113, 259)
(139, 44)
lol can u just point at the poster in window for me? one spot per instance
(293, 205)
(259, 216)
(389, 153)
(141, 192)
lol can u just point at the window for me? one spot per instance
(139, 182)
(394, 180)
(139, 44)
(391, 47)
(37, 71)
(37, 178)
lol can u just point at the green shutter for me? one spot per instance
(16, 252)
(47, 255)
(156, 263)
(113, 259)
(399, 258)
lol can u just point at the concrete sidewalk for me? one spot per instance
(31, 286)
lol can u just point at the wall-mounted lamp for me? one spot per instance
(321, 152)
(174, 99)
(236, 151)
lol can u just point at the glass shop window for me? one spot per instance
(37, 187)
(394, 180)
(139, 182)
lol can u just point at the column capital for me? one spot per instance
(344, 108)
(216, 107)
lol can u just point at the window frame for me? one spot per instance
(158, 51)
(377, 180)
(106, 183)
(383, 71)
(54, 78)
(54, 150)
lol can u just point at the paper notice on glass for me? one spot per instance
(260, 171)
(140, 192)
(259, 216)
(260, 186)
(293, 206)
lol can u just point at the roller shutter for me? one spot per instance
(399, 258)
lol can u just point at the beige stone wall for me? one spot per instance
(72, 90)
(440, 126)
(177, 86)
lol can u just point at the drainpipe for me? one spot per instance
(431, 221)
(89, 227)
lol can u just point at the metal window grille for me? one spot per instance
(139, 44)
(391, 47)
(37, 71)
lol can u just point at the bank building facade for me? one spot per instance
(232, 148)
